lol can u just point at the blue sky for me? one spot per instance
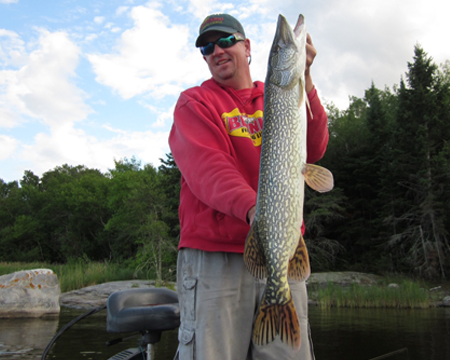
(86, 82)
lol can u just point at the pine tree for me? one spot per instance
(420, 170)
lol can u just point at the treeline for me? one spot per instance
(389, 212)
(128, 215)
(390, 155)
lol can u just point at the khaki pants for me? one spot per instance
(218, 301)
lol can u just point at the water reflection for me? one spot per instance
(26, 337)
(367, 333)
(87, 339)
(350, 334)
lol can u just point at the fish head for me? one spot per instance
(287, 58)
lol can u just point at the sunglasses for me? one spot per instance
(223, 43)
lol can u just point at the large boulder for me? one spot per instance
(30, 293)
(97, 295)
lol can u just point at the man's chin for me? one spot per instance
(224, 76)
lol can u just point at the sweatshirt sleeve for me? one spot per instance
(317, 138)
(203, 154)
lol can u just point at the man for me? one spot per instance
(216, 143)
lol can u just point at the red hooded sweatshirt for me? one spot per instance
(216, 143)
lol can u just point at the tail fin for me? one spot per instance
(289, 327)
(277, 319)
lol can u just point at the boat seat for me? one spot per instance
(144, 310)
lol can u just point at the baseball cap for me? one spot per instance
(219, 22)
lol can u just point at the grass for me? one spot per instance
(409, 294)
(77, 274)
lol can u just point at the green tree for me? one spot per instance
(322, 213)
(170, 177)
(358, 151)
(74, 211)
(137, 228)
(346, 150)
(420, 170)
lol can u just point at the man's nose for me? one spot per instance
(217, 50)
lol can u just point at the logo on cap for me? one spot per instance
(211, 21)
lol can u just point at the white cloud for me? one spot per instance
(121, 9)
(91, 37)
(359, 40)
(7, 146)
(148, 146)
(74, 146)
(202, 8)
(99, 19)
(152, 57)
(8, 118)
(11, 48)
(164, 116)
(43, 88)
(9, 1)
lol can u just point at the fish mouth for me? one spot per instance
(284, 34)
(299, 26)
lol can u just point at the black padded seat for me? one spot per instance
(151, 310)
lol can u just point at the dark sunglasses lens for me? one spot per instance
(208, 49)
(223, 43)
(226, 42)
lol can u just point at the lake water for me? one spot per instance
(350, 334)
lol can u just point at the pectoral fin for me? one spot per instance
(254, 254)
(318, 178)
(299, 267)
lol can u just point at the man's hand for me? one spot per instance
(251, 215)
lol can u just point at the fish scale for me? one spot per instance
(275, 247)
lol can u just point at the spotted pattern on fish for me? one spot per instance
(275, 247)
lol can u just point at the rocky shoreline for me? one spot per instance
(97, 295)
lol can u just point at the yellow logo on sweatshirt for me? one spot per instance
(244, 125)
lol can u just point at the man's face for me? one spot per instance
(226, 64)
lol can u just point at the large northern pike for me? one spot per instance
(275, 247)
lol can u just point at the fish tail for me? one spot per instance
(289, 326)
(266, 323)
(277, 319)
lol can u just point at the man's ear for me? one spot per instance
(248, 49)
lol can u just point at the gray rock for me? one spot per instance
(97, 295)
(344, 278)
(446, 301)
(30, 293)
(393, 286)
